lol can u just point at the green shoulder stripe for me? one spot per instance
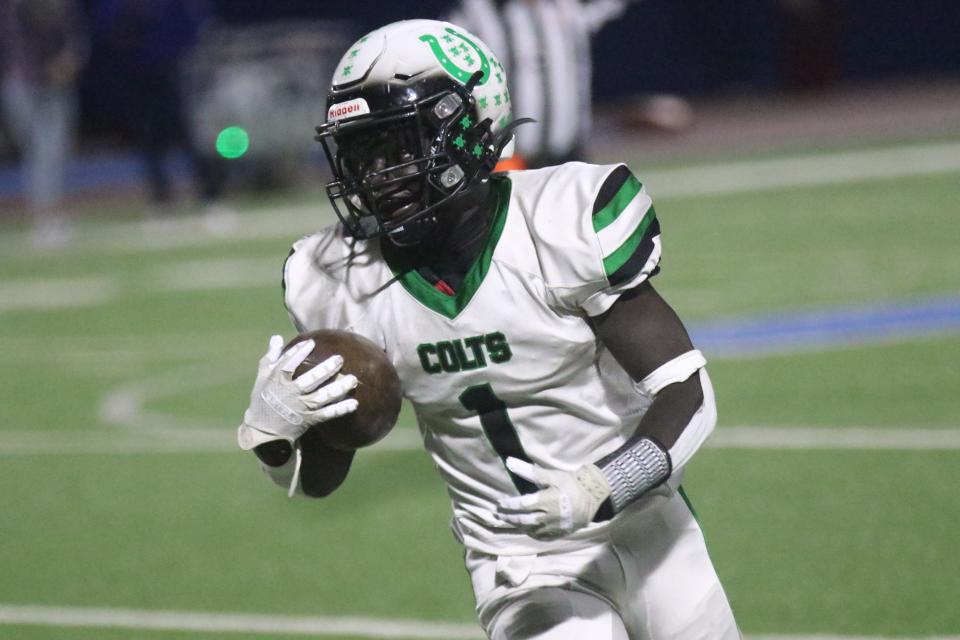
(623, 253)
(624, 196)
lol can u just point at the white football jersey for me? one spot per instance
(508, 366)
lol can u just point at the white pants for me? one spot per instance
(649, 578)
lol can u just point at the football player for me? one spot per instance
(558, 394)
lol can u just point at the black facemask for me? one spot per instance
(396, 168)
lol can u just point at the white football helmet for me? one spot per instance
(418, 112)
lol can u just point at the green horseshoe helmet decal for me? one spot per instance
(449, 65)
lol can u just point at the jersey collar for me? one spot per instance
(425, 293)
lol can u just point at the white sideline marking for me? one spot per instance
(290, 221)
(775, 636)
(38, 294)
(142, 431)
(293, 220)
(124, 405)
(920, 439)
(236, 623)
(804, 171)
(288, 625)
(164, 437)
(201, 275)
(185, 440)
(30, 294)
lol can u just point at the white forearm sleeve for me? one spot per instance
(633, 471)
(698, 429)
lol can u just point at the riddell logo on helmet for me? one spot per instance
(348, 109)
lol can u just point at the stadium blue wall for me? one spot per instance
(691, 46)
(697, 46)
(707, 46)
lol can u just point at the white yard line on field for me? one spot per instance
(44, 294)
(124, 406)
(804, 171)
(872, 438)
(235, 623)
(133, 355)
(211, 275)
(160, 436)
(142, 430)
(775, 636)
(189, 440)
(291, 221)
(361, 627)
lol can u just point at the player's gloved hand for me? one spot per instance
(568, 500)
(282, 408)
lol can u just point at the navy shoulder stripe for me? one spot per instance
(617, 178)
(639, 258)
(283, 270)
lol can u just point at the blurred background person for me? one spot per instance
(545, 46)
(147, 42)
(42, 49)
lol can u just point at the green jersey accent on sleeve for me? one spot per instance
(626, 224)
(606, 215)
(613, 262)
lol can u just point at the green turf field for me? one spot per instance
(125, 363)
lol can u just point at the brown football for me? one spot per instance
(378, 393)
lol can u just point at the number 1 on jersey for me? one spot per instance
(497, 426)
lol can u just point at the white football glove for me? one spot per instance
(282, 408)
(568, 501)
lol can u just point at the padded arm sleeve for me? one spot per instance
(699, 428)
(642, 463)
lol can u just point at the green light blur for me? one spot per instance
(233, 142)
